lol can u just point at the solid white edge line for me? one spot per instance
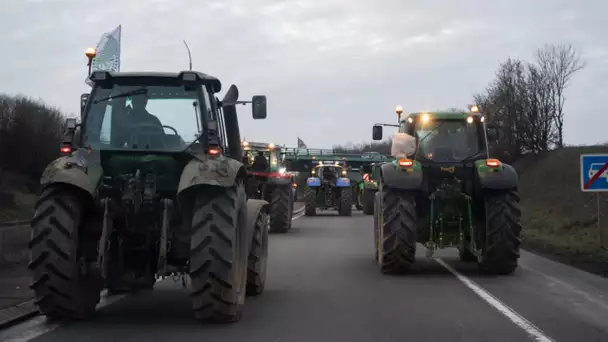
(533, 331)
(41, 327)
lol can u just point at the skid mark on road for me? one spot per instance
(533, 331)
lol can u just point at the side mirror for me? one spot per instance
(377, 132)
(83, 103)
(258, 107)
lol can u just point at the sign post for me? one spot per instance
(594, 178)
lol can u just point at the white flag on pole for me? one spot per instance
(108, 53)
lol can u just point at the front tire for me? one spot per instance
(57, 260)
(397, 233)
(258, 255)
(281, 209)
(503, 229)
(218, 254)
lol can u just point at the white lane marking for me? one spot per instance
(533, 331)
(38, 326)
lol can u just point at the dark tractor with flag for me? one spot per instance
(328, 188)
(269, 180)
(444, 190)
(151, 185)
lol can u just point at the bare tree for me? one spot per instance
(559, 63)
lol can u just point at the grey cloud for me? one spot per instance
(330, 68)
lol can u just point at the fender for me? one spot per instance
(254, 207)
(343, 182)
(81, 169)
(205, 170)
(395, 176)
(501, 177)
(312, 182)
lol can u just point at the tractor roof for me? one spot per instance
(442, 115)
(258, 146)
(188, 76)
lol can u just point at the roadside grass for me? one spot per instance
(558, 218)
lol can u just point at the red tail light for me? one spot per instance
(493, 163)
(405, 162)
(214, 151)
(65, 149)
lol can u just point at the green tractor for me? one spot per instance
(368, 187)
(137, 197)
(444, 190)
(272, 183)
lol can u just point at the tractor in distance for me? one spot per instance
(328, 187)
(368, 187)
(444, 190)
(269, 180)
(141, 196)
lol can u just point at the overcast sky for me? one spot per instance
(330, 68)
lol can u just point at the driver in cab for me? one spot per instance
(138, 115)
(136, 120)
(260, 163)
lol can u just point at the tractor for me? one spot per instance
(444, 190)
(271, 183)
(329, 187)
(368, 187)
(150, 185)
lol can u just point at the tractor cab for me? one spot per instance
(330, 171)
(256, 153)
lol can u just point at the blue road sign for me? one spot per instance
(594, 172)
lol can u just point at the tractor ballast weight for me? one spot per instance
(328, 188)
(448, 193)
(119, 210)
(274, 184)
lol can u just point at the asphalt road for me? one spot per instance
(324, 286)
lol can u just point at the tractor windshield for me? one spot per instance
(445, 141)
(148, 117)
(270, 156)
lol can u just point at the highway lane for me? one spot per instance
(323, 286)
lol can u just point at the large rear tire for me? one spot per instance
(218, 254)
(310, 205)
(57, 261)
(397, 233)
(500, 252)
(281, 209)
(368, 201)
(346, 202)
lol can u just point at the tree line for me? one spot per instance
(30, 136)
(525, 98)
